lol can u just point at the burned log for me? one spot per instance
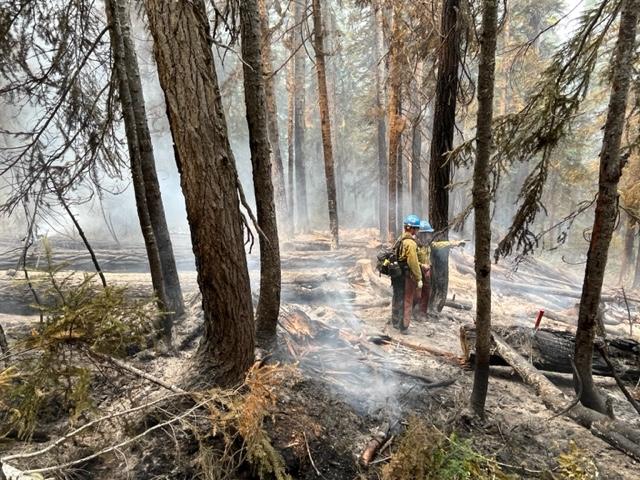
(618, 434)
(377, 441)
(551, 350)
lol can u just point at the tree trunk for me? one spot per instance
(290, 131)
(325, 121)
(611, 165)
(627, 254)
(383, 198)
(282, 207)
(209, 182)
(119, 61)
(257, 119)
(444, 118)
(416, 167)
(299, 126)
(172, 289)
(395, 125)
(482, 203)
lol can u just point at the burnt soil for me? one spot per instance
(327, 412)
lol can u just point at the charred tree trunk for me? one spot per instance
(282, 207)
(298, 118)
(325, 121)
(395, 126)
(383, 198)
(257, 119)
(209, 182)
(155, 207)
(611, 164)
(482, 203)
(444, 119)
(119, 61)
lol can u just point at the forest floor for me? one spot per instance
(345, 388)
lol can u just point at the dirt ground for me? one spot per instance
(326, 414)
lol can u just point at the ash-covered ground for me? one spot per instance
(346, 388)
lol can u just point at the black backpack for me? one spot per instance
(388, 263)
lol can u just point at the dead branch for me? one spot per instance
(131, 369)
(75, 432)
(602, 348)
(121, 444)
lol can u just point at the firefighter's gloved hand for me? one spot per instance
(419, 284)
(462, 243)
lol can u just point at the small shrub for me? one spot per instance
(576, 464)
(238, 418)
(425, 453)
(78, 318)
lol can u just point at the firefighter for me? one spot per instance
(410, 278)
(425, 245)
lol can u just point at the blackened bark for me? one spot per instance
(383, 198)
(444, 118)
(257, 118)
(173, 292)
(395, 126)
(325, 121)
(119, 62)
(482, 203)
(209, 182)
(299, 8)
(282, 206)
(611, 165)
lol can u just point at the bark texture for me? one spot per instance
(119, 61)
(257, 118)
(325, 123)
(298, 117)
(444, 118)
(381, 128)
(282, 206)
(290, 131)
(482, 203)
(611, 165)
(416, 166)
(173, 291)
(209, 182)
(395, 127)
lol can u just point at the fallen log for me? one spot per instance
(299, 294)
(449, 357)
(458, 305)
(552, 350)
(374, 445)
(617, 434)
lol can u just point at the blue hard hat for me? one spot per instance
(412, 221)
(426, 227)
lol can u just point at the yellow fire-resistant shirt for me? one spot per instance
(409, 254)
(424, 251)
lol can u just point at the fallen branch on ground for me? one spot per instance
(617, 434)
